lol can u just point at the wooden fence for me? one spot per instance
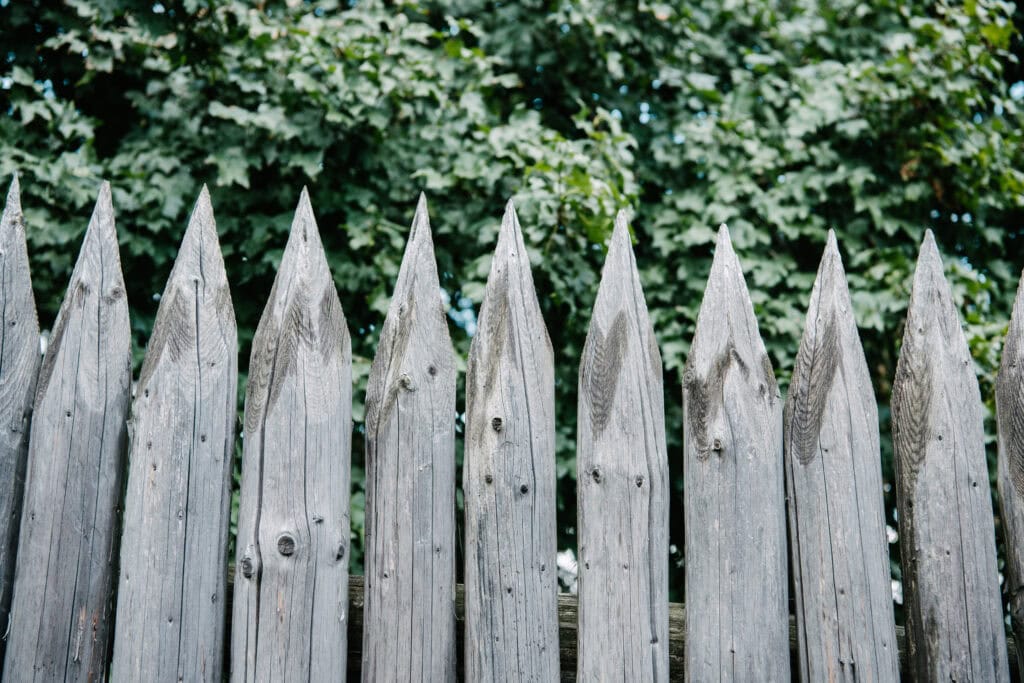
(113, 556)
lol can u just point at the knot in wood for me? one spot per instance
(496, 424)
(639, 480)
(405, 381)
(489, 478)
(247, 568)
(286, 544)
(716, 445)
(340, 554)
(596, 474)
(524, 489)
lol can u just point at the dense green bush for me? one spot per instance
(780, 118)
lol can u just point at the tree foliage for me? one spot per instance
(782, 118)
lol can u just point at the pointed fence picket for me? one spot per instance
(19, 368)
(1010, 420)
(950, 579)
(409, 612)
(297, 614)
(838, 544)
(734, 506)
(622, 483)
(291, 577)
(509, 478)
(62, 611)
(171, 594)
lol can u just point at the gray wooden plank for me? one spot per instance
(838, 544)
(291, 578)
(61, 614)
(950, 580)
(622, 483)
(170, 604)
(410, 480)
(733, 500)
(509, 478)
(1010, 421)
(19, 368)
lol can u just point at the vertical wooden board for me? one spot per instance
(1010, 420)
(409, 618)
(63, 588)
(950, 580)
(171, 602)
(509, 478)
(733, 499)
(290, 611)
(19, 368)
(622, 483)
(845, 625)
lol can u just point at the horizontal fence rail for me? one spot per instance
(108, 511)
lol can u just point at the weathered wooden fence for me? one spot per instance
(92, 500)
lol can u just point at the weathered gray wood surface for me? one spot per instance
(734, 507)
(409, 617)
(19, 368)
(567, 635)
(63, 588)
(622, 483)
(1010, 419)
(171, 594)
(291, 578)
(836, 513)
(509, 478)
(950, 580)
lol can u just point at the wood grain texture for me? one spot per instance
(950, 580)
(1010, 420)
(734, 507)
(622, 483)
(61, 614)
(291, 578)
(170, 604)
(838, 542)
(509, 478)
(567, 635)
(19, 368)
(410, 480)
